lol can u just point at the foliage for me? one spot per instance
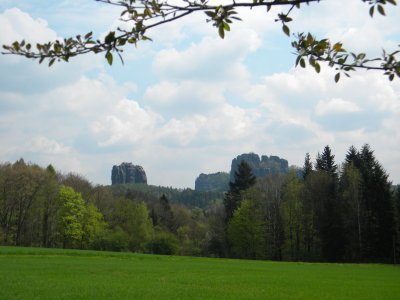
(143, 15)
(163, 243)
(188, 197)
(133, 218)
(347, 213)
(70, 217)
(246, 231)
(111, 240)
(292, 215)
(92, 225)
(243, 179)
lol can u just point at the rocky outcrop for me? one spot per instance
(128, 173)
(212, 182)
(260, 167)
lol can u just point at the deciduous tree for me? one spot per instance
(70, 217)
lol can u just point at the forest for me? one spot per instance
(348, 212)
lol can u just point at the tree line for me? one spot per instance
(347, 213)
(332, 214)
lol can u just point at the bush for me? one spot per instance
(163, 243)
(111, 240)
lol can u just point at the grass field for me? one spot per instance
(33, 273)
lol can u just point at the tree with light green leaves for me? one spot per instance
(246, 231)
(133, 217)
(143, 15)
(70, 217)
(92, 225)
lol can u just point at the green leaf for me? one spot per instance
(16, 46)
(298, 60)
(302, 63)
(221, 32)
(337, 77)
(210, 14)
(52, 62)
(110, 37)
(381, 10)
(286, 30)
(226, 27)
(121, 42)
(317, 67)
(371, 11)
(361, 56)
(392, 2)
(109, 57)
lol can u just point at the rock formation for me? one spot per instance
(261, 167)
(128, 173)
(212, 182)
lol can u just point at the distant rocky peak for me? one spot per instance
(260, 167)
(128, 173)
(212, 182)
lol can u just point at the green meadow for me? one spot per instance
(34, 273)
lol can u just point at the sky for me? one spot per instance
(189, 102)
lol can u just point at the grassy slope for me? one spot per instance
(31, 273)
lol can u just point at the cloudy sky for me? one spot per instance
(189, 102)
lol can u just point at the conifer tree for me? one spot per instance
(379, 222)
(244, 179)
(330, 214)
(308, 167)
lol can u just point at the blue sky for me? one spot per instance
(189, 102)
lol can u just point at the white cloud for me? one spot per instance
(127, 123)
(17, 25)
(184, 98)
(212, 59)
(335, 105)
(44, 145)
(28, 76)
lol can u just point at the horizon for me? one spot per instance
(170, 186)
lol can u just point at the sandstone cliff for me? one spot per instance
(212, 182)
(260, 167)
(128, 173)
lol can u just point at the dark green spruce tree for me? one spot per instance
(330, 214)
(396, 256)
(243, 179)
(379, 218)
(308, 167)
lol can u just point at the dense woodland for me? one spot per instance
(348, 213)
